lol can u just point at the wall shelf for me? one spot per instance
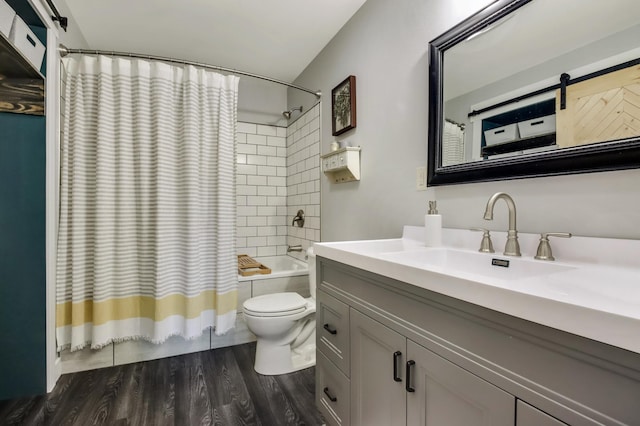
(520, 119)
(520, 145)
(342, 165)
(21, 85)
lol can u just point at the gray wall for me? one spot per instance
(385, 46)
(71, 38)
(261, 102)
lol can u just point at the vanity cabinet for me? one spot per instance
(416, 357)
(395, 381)
(531, 416)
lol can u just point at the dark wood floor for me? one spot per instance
(217, 387)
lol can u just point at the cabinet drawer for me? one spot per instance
(332, 319)
(332, 392)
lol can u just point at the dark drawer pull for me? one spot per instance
(497, 132)
(330, 329)
(535, 123)
(408, 386)
(331, 397)
(397, 358)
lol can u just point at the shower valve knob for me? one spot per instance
(299, 219)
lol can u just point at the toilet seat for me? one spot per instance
(275, 305)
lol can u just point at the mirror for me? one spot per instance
(529, 88)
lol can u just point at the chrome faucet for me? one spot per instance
(294, 248)
(512, 248)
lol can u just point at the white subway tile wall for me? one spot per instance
(303, 179)
(261, 190)
(278, 174)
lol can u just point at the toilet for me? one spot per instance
(285, 328)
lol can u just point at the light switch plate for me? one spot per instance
(421, 178)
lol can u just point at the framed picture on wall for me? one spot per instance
(343, 106)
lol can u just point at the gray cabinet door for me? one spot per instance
(447, 395)
(376, 398)
(531, 416)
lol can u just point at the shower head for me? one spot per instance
(287, 114)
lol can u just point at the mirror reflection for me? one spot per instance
(501, 91)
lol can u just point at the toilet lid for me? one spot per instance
(275, 304)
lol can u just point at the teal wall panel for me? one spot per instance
(22, 255)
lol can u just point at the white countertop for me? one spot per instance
(592, 289)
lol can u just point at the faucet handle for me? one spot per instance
(486, 246)
(544, 248)
(298, 218)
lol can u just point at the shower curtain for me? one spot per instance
(452, 144)
(146, 244)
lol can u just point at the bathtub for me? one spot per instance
(281, 266)
(287, 274)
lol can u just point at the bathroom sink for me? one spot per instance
(591, 290)
(375, 247)
(456, 262)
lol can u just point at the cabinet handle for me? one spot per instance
(330, 329)
(396, 359)
(408, 386)
(331, 397)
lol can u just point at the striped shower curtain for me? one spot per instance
(146, 244)
(452, 144)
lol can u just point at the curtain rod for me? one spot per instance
(64, 51)
(462, 126)
(567, 82)
(62, 20)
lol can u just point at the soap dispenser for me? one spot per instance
(432, 226)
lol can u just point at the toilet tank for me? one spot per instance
(311, 262)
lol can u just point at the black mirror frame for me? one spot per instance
(605, 156)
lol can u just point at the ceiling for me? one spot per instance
(536, 33)
(275, 38)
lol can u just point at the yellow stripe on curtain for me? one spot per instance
(99, 313)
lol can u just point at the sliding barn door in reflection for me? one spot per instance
(600, 109)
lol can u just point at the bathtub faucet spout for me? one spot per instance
(294, 248)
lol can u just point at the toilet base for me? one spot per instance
(274, 360)
(303, 357)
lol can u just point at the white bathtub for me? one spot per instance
(281, 266)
